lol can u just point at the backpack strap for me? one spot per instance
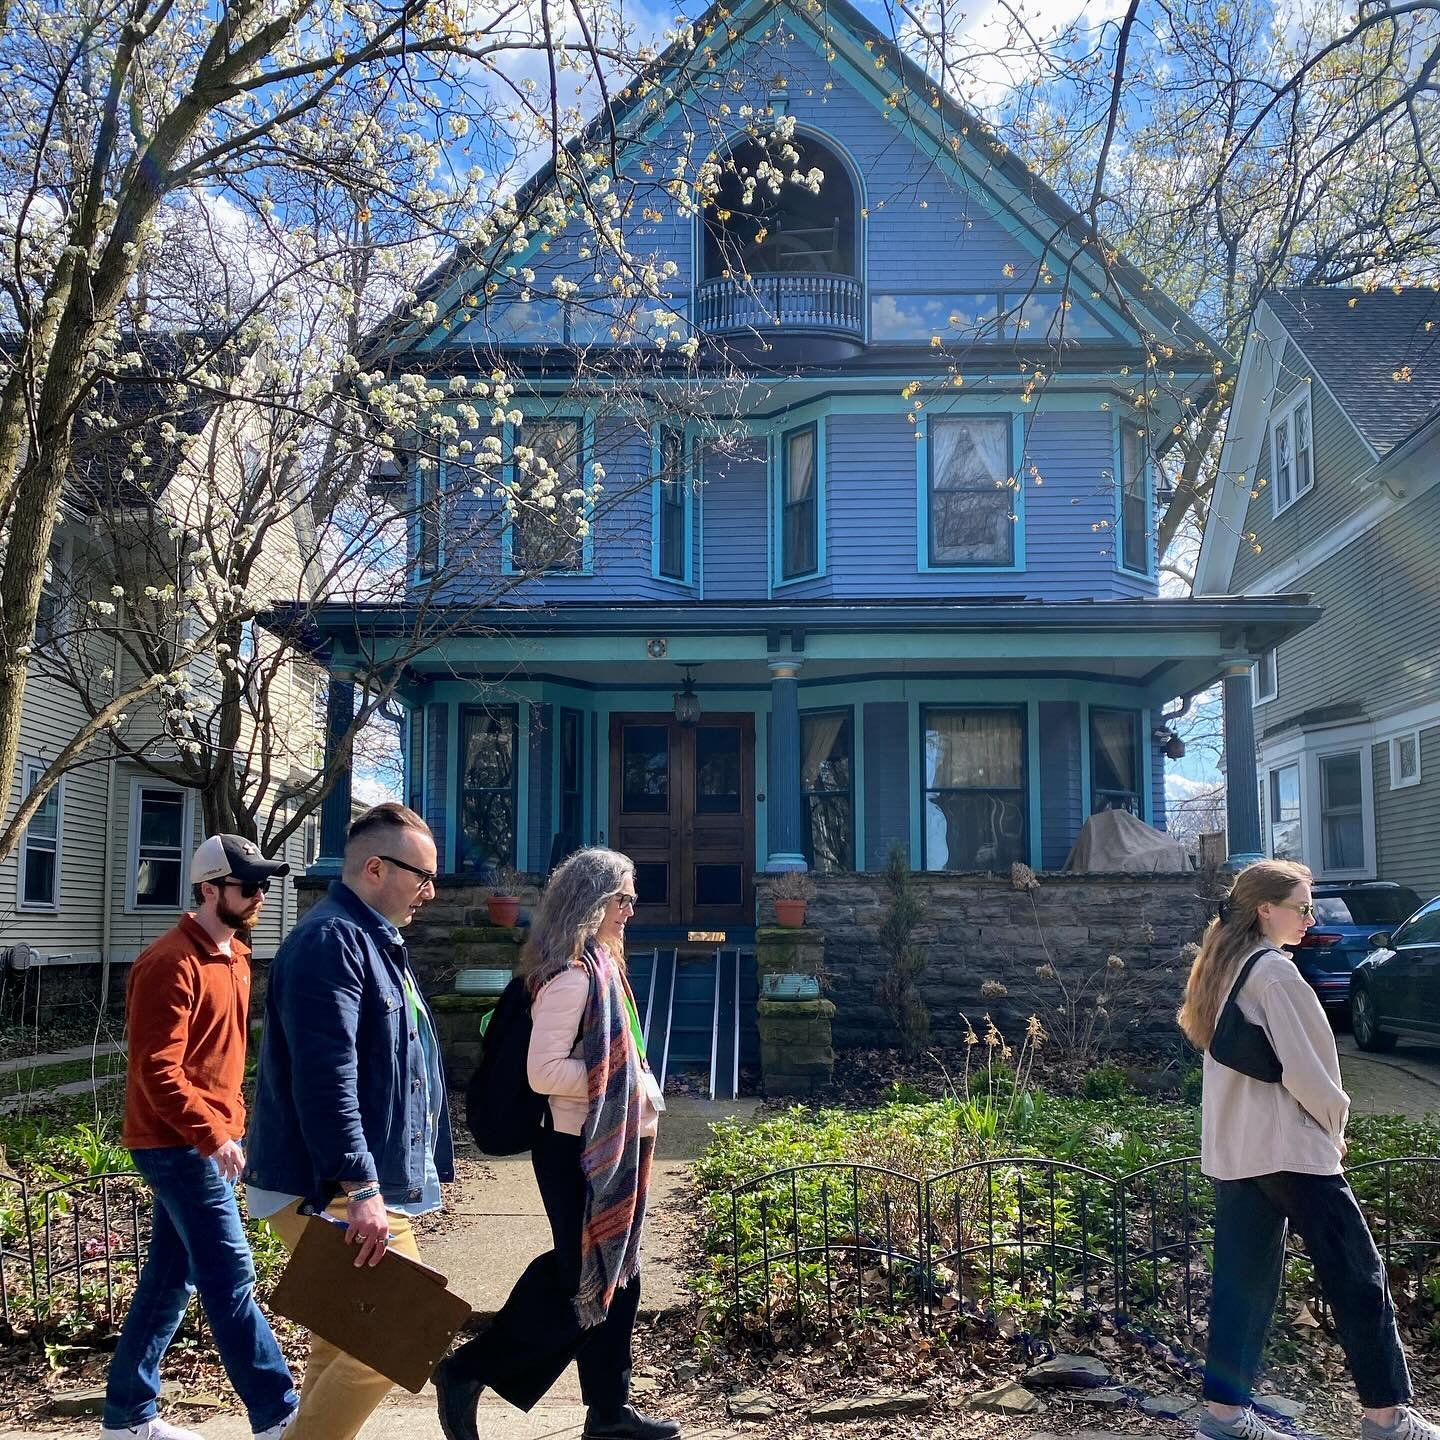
(1234, 997)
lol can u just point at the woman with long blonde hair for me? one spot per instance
(1272, 1136)
(592, 1164)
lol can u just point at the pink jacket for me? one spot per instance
(555, 1064)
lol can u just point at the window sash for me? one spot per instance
(827, 781)
(1106, 728)
(40, 845)
(572, 775)
(1285, 813)
(1134, 511)
(159, 866)
(1265, 677)
(970, 503)
(799, 545)
(1342, 821)
(548, 541)
(990, 821)
(487, 802)
(428, 518)
(672, 505)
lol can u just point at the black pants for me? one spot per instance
(538, 1333)
(1250, 1224)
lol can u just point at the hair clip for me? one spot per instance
(1225, 912)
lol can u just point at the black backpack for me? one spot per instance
(503, 1113)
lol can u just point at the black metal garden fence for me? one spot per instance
(1039, 1238)
(71, 1245)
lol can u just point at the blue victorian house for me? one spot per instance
(873, 563)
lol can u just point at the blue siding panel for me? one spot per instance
(542, 766)
(437, 773)
(1152, 721)
(734, 504)
(1060, 790)
(887, 780)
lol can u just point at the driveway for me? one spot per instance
(1404, 1082)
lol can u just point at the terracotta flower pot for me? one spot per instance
(790, 913)
(502, 909)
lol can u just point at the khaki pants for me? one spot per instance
(340, 1394)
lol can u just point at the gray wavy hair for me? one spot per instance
(571, 909)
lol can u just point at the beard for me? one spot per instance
(242, 921)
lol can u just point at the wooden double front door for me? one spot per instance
(682, 807)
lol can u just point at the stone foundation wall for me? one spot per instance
(980, 928)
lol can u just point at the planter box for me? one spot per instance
(780, 986)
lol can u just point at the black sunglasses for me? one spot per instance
(248, 888)
(426, 877)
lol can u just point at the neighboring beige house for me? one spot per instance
(1331, 487)
(104, 866)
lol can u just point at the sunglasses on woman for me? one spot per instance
(1305, 911)
(248, 888)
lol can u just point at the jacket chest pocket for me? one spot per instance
(392, 1008)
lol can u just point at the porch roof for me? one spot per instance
(1165, 647)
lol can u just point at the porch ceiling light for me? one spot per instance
(687, 702)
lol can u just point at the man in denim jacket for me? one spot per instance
(350, 1061)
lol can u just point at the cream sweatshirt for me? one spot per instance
(1250, 1127)
(556, 1064)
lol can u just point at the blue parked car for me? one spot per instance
(1346, 916)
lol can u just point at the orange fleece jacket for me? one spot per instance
(187, 1007)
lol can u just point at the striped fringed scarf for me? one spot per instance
(613, 1158)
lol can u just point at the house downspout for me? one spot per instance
(107, 896)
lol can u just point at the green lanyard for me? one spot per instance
(635, 1031)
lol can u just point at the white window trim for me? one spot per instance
(1307, 751)
(132, 852)
(28, 768)
(1283, 418)
(1398, 782)
(1259, 697)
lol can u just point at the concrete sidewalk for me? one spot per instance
(494, 1225)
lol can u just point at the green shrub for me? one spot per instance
(1106, 1082)
(1192, 1085)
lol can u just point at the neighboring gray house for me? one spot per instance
(1330, 485)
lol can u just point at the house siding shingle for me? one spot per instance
(1408, 820)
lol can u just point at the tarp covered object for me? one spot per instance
(1116, 842)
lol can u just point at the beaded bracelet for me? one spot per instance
(366, 1192)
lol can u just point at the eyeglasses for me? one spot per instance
(1305, 911)
(626, 902)
(248, 888)
(424, 877)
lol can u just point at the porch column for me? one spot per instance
(1242, 793)
(787, 843)
(335, 807)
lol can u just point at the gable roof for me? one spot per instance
(1378, 353)
(726, 23)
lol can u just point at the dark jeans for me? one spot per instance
(196, 1243)
(1250, 1224)
(538, 1333)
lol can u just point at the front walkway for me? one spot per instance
(494, 1226)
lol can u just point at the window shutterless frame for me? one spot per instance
(1017, 797)
(672, 538)
(827, 788)
(970, 499)
(487, 775)
(1128, 793)
(1292, 450)
(530, 543)
(1133, 515)
(798, 511)
(38, 883)
(161, 838)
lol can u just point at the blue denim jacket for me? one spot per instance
(341, 1089)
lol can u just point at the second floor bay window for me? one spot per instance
(548, 530)
(970, 495)
(799, 507)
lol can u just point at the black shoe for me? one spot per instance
(456, 1397)
(630, 1424)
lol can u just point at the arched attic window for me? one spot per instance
(796, 231)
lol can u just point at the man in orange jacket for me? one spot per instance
(187, 1007)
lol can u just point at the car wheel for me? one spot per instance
(1365, 1021)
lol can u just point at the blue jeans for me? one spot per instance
(197, 1243)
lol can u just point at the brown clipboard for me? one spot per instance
(397, 1317)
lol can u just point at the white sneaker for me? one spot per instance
(156, 1429)
(276, 1431)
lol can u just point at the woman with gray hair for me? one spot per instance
(592, 1164)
